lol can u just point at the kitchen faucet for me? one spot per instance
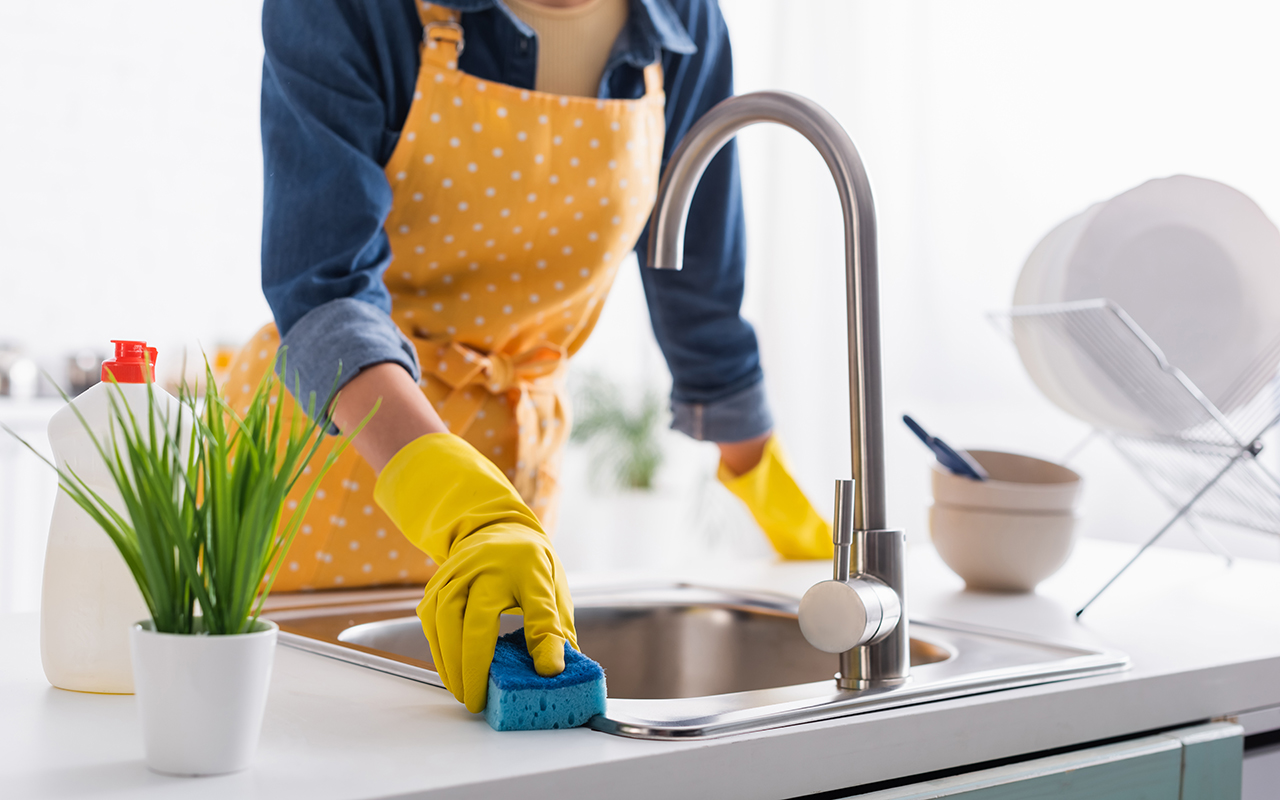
(861, 613)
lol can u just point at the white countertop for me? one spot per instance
(1204, 640)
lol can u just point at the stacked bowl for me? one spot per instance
(1007, 533)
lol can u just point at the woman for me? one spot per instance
(449, 191)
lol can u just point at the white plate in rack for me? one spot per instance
(1194, 262)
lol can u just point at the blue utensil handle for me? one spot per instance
(957, 462)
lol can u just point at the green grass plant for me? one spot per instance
(624, 436)
(201, 489)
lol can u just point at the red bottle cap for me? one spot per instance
(131, 363)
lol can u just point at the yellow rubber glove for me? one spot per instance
(780, 508)
(460, 509)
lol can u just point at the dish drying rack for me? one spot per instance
(1202, 460)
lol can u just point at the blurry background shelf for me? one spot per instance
(27, 489)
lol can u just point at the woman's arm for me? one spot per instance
(404, 415)
(717, 383)
(742, 457)
(337, 81)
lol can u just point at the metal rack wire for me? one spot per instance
(1201, 459)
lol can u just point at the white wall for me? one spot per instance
(130, 174)
(130, 199)
(982, 125)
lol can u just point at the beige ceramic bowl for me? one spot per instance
(998, 551)
(1017, 483)
(1010, 532)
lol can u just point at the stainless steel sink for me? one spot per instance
(684, 661)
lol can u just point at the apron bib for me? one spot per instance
(511, 211)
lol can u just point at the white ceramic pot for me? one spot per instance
(998, 551)
(201, 697)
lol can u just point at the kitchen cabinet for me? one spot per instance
(1261, 766)
(1198, 763)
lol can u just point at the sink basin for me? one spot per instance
(685, 661)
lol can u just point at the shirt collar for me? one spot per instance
(655, 21)
(666, 26)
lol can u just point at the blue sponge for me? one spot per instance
(522, 700)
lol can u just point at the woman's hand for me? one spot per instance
(457, 507)
(500, 567)
(757, 472)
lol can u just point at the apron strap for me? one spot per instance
(653, 79)
(430, 12)
(442, 40)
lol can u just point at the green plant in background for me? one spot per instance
(624, 435)
(202, 491)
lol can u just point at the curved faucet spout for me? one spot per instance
(887, 661)
(666, 251)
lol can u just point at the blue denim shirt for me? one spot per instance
(338, 79)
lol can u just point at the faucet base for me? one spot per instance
(856, 685)
(886, 662)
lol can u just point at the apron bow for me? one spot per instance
(472, 374)
(460, 366)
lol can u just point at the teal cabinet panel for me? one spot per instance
(1143, 769)
(1212, 761)
(1199, 763)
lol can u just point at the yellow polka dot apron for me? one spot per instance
(511, 211)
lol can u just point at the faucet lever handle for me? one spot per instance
(836, 616)
(842, 531)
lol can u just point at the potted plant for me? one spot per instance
(624, 438)
(198, 522)
(634, 519)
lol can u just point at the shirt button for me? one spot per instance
(524, 44)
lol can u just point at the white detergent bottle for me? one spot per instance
(89, 599)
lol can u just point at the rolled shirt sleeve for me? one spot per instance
(717, 383)
(329, 102)
(334, 342)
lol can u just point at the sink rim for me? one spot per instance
(710, 716)
(387, 636)
(287, 609)
(765, 709)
